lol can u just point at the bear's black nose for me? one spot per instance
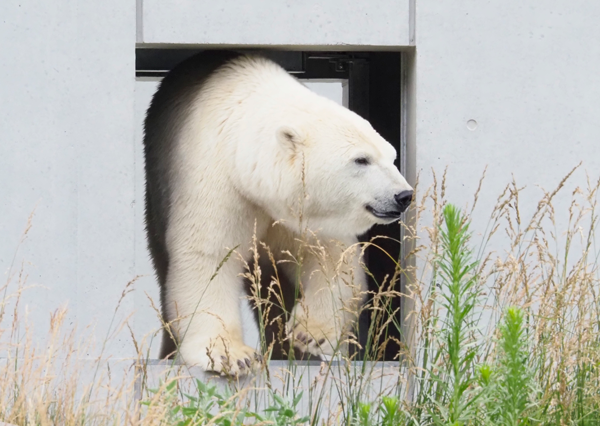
(403, 200)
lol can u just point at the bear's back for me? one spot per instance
(165, 117)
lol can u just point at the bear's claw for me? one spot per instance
(313, 338)
(233, 360)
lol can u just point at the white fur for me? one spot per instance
(260, 147)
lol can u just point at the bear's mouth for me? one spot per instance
(392, 214)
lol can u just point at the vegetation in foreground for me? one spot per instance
(508, 338)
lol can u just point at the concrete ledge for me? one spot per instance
(324, 384)
(333, 23)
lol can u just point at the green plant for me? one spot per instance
(391, 413)
(282, 412)
(388, 413)
(209, 406)
(446, 383)
(511, 389)
(363, 416)
(206, 406)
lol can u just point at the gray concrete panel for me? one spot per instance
(66, 119)
(512, 85)
(335, 23)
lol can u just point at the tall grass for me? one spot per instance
(494, 338)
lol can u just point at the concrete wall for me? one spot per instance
(332, 24)
(525, 73)
(66, 149)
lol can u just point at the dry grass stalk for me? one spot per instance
(552, 275)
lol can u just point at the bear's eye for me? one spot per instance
(362, 161)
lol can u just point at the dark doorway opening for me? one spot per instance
(374, 92)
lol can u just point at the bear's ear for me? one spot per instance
(290, 137)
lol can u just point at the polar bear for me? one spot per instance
(236, 148)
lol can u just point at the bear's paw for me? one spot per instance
(226, 358)
(314, 337)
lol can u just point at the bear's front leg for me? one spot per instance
(333, 288)
(203, 305)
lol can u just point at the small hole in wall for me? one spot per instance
(471, 125)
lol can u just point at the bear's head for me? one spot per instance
(345, 177)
